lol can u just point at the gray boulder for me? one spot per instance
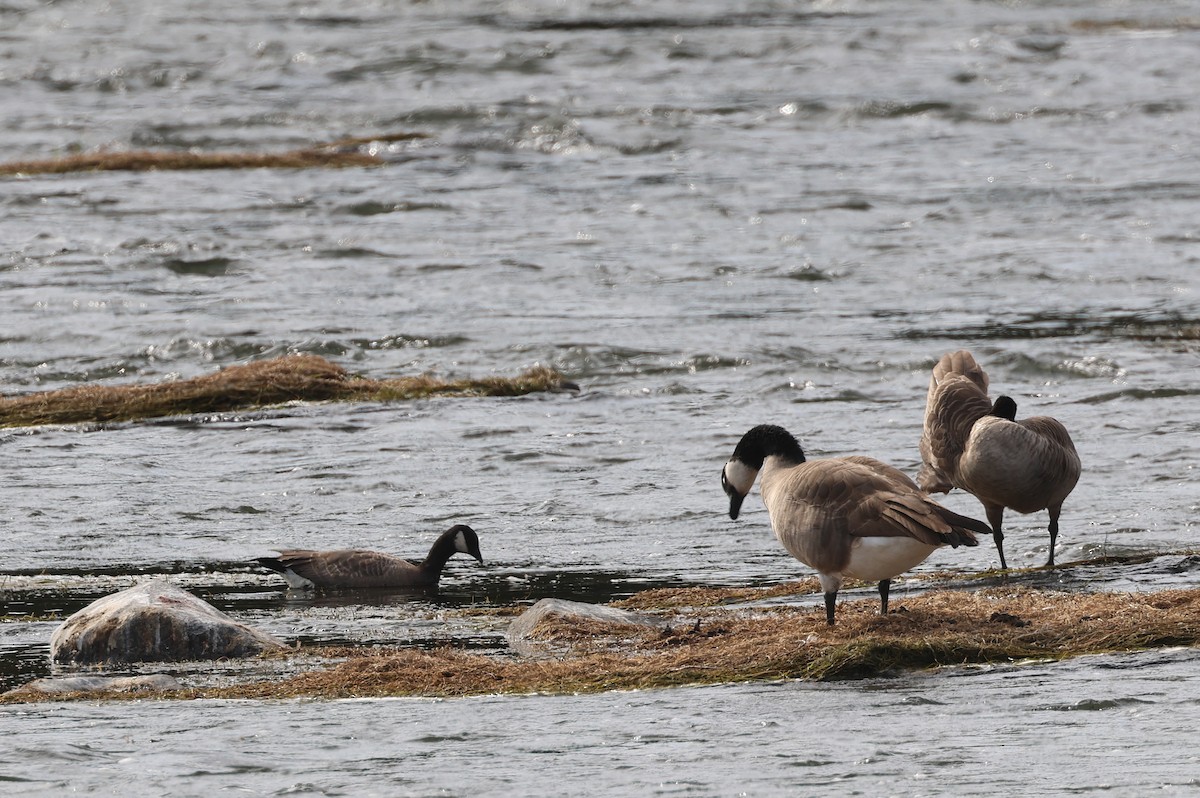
(154, 622)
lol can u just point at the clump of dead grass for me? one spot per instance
(561, 635)
(942, 628)
(343, 153)
(701, 596)
(936, 629)
(258, 384)
(154, 161)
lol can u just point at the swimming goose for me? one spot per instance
(971, 443)
(846, 517)
(357, 569)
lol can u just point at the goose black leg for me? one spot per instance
(830, 605)
(995, 516)
(1054, 511)
(884, 587)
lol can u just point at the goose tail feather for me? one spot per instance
(963, 528)
(272, 563)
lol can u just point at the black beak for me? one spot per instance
(735, 505)
(735, 498)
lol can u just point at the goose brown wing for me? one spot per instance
(1026, 465)
(809, 506)
(297, 560)
(911, 514)
(930, 522)
(952, 411)
(1049, 428)
(882, 469)
(881, 501)
(961, 363)
(848, 494)
(349, 568)
(1058, 461)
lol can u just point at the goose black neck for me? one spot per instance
(1005, 407)
(442, 550)
(768, 440)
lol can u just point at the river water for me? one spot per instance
(709, 218)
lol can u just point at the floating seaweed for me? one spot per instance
(261, 383)
(152, 160)
(356, 151)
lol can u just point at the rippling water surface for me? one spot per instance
(906, 736)
(709, 218)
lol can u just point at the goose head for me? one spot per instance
(1005, 407)
(753, 449)
(736, 479)
(466, 541)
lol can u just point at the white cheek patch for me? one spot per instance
(460, 543)
(740, 476)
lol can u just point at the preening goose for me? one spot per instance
(972, 443)
(847, 517)
(359, 569)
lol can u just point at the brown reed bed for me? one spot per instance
(258, 384)
(665, 598)
(154, 160)
(942, 628)
(937, 629)
(343, 153)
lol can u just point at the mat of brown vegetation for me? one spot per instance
(345, 152)
(258, 384)
(700, 596)
(150, 161)
(943, 628)
(937, 629)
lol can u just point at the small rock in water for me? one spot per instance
(154, 622)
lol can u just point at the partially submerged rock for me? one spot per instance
(154, 622)
(554, 623)
(67, 685)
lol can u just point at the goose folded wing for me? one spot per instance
(899, 515)
(1049, 429)
(865, 502)
(881, 468)
(912, 514)
(957, 406)
(348, 567)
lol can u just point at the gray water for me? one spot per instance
(708, 218)
(906, 736)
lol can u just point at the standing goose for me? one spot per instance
(360, 569)
(979, 446)
(848, 517)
